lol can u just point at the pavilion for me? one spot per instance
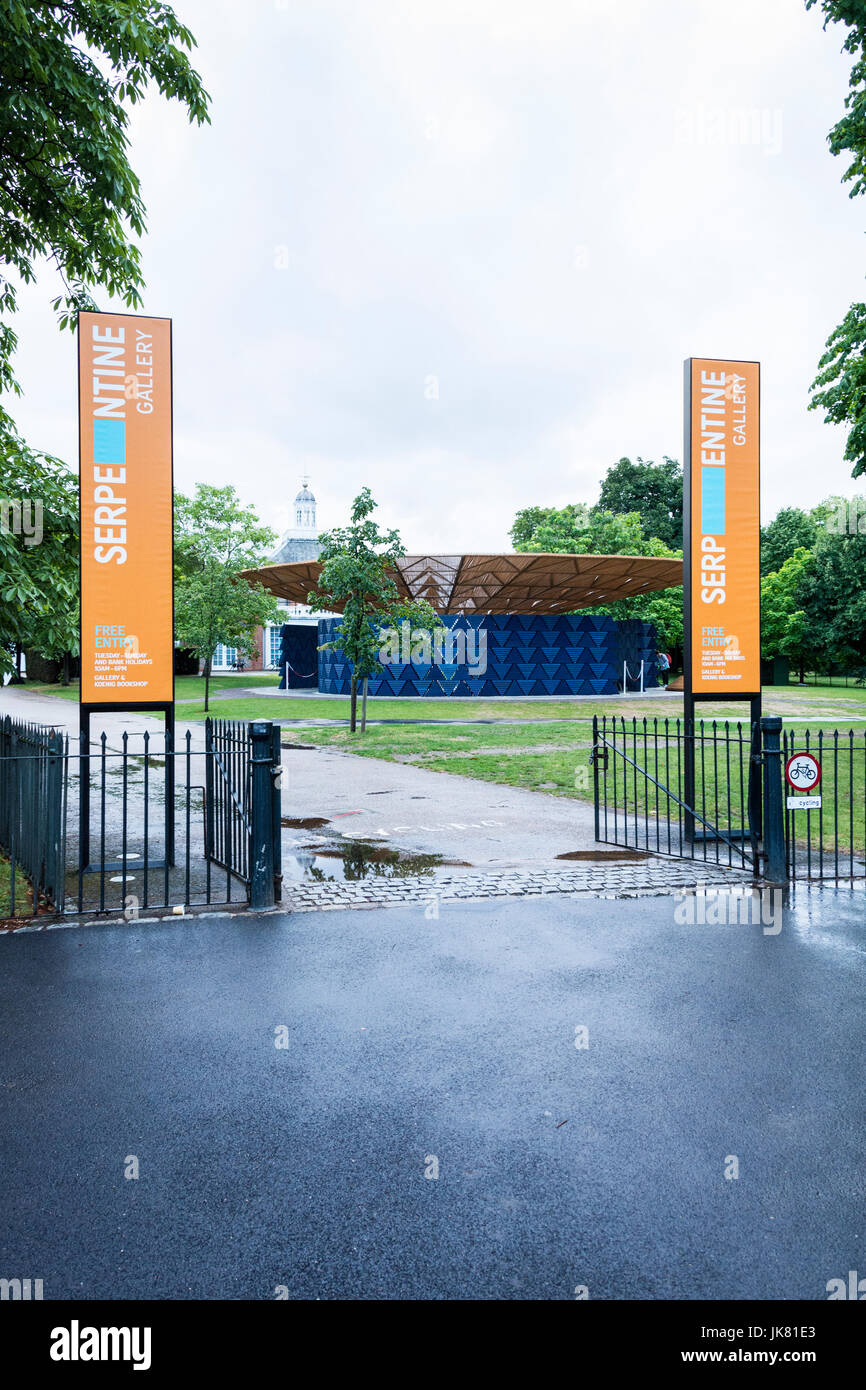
(520, 608)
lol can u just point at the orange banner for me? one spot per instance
(723, 487)
(127, 638)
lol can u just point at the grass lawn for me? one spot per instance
(185, 687)
(23, 902)
(822, 704)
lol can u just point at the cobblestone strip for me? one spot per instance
(608, 881)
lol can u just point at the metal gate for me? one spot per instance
(689, 791)
(242, 804)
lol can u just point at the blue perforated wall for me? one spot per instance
(526, 654)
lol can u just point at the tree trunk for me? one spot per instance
(64, 669)
(364, 707)
(353, 697)
(206, 684)
(802, 673)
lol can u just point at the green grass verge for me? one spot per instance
(23, 903)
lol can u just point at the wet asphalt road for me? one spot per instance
(411, 1039)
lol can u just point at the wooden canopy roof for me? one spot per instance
(500, 583)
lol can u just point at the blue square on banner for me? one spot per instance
(712, 501)
(109, 441)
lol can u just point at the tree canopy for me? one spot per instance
(784, 624)
(655, 490)
(790, 530)
(839, 389)
(653, 495)
(68, 194)
(38, 552)
(70, 206)
(215, 538)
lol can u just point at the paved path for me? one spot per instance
(600, 880)
(411, 1040)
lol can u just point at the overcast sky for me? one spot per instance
(458, 249)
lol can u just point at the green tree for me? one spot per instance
(653, 490)
(784, 624)
(214, 606)
(832, 595)
(839, 389)
(358, 576)
(580, 530)
(790, 530)
(215, 538)
(68, 195)
(38, 552)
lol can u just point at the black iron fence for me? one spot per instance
(829, 840)
(715, 791)
(676, 788)
(140, 823)
(32, 818)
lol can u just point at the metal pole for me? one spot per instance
(169, 785)
(595, 789)
(277, 810)
(83, 788)
(261, 816)
(774, 822)
(689, 766)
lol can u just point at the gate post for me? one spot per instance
(774, 820)
(277, 810)
(262, 865)
(595, 774)
(209, 830)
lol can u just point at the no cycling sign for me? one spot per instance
(803, 775)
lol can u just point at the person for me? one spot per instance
(664, 666)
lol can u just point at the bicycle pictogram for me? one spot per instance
(802, 772)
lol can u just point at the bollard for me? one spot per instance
(774, 821)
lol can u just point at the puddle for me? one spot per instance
(304, 822)
(607, 856)
(362, 860)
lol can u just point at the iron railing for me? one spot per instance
(829, 841)
(227, 801)
(151, 824)
(32, 818)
